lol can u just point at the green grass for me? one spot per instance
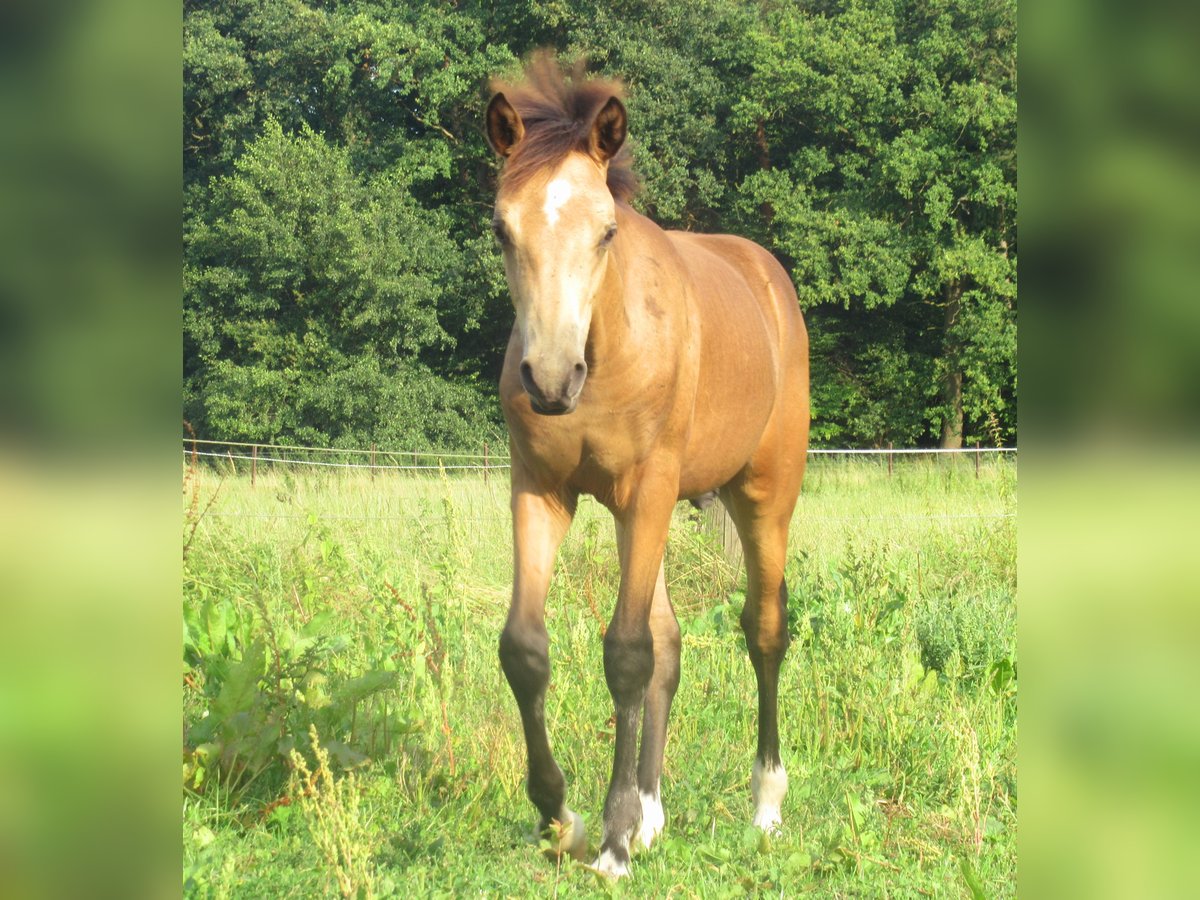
(370, 609)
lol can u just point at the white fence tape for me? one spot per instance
(335, 465)
(433, 453)
(494, 462)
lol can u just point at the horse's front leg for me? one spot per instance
(540, 522)
(659, 693)
(629, 660)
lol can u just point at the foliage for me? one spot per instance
(902, 776)
(332, 807)
(888, 182)
(257, 711)
(341, 284)
(309, 297)
(261, 678)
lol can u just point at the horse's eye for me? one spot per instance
(500, 231)
(609, 234)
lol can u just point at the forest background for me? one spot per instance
(341, 283)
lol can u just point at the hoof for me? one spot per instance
(611, 865)
(567, 836)
(768, 819)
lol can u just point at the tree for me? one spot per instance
(309, 295)
(338, 192)
(888, 175)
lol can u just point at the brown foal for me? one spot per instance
(645, 366)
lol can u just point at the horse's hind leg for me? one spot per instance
(763, 528)
(539, 524)
(659, 694)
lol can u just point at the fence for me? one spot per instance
(245, 458)
(486, 462)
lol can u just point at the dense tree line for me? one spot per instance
(340, 279)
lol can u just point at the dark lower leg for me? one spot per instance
(525, 659)
(657, 710)
(540, 520)
(628, 665)
(767, 643)
(767, 640)
(629, 654)
(659, 694)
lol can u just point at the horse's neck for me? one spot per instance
(609, 332)
(630, 316)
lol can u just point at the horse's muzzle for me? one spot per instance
(556, 401)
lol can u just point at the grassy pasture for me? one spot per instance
(369, 609)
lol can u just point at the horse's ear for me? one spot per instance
(504, 126)
(608, 131)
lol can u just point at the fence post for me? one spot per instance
(372, 462)
(485, 462)
(890, 449)
(253, 464)
(232, 464)
(976, 460)
(716, 518)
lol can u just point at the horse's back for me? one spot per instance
(730, 274)
(766, 280)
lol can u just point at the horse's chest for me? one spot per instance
(592, 454)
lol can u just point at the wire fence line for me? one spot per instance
(367, 452)
(495, 462)
(505, 517)
(487, 462)
(336, 465)
(888, 451)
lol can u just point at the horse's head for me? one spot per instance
(555, 219)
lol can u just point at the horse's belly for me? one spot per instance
(736, 394)
(714, 456)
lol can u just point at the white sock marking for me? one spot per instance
(767, 787)
(608, 864)
(652, 817)
(558, 192)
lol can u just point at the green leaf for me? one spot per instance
(797, 862)
(1003, 675)
(240, 691)
(751, 838)
(358, 689)
(971, 878)
(345, 756)
(215, 616)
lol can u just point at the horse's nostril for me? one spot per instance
(575, 382)
(527, 380)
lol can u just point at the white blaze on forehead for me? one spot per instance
(558, 192)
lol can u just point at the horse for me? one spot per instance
(644, 367)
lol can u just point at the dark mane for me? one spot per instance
(557, 109)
